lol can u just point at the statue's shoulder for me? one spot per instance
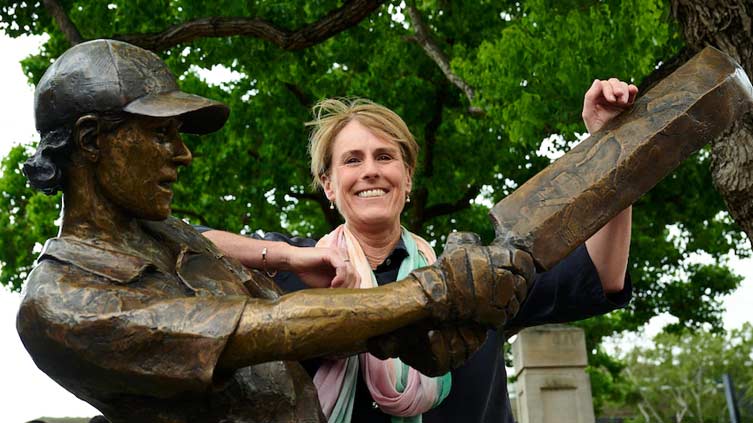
(47, 269)
(173, 230)
(60, 257)
(58, 284)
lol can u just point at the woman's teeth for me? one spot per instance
(371, 193)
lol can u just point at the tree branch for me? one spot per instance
(448, 208)
(298, 93)
(345, 17)
(191, 213)
(427, 43)
(417, 207)
(430, 131)
(331, 216)
(67, 27)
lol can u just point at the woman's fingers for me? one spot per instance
(608, 92)
(604, 100)
(619, 90)
(345, 273)
(633, 91)
(611, 91)
(593, 94)
(622, 93)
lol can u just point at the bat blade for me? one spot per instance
(564, 204)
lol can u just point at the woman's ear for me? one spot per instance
(86, 137)
(409, 181)
(328, 187)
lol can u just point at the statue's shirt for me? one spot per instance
(141, 343)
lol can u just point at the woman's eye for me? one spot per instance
(383, 157)
(351, 160)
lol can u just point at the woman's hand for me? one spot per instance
(321, 267)
(605, 100)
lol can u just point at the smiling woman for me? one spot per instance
(364, 158)
(369, 181)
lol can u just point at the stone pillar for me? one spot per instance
(552, 385)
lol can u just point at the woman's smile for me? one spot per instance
(368, 178)
(371, 193)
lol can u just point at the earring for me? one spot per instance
(331, 206)
(407, 198)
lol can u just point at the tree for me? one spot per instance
(679, 377)
(480, 84)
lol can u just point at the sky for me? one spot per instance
(26, 393)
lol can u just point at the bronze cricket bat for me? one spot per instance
(563, 205)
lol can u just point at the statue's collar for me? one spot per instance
(121, 265)
(99, 259)
(198, 263)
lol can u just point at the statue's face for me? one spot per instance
(138, 163)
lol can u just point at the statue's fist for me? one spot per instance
(431, 351)
(474, 283)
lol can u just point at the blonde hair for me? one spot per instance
(332, 114)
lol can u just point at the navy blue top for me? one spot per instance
(569, 291)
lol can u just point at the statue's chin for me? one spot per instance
(153, 214)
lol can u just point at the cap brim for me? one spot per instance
(199, 115)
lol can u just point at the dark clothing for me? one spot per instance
(139, 338)
(570, 291)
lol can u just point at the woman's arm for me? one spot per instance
(318, 267)
(609, 247)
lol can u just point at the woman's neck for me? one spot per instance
(377, 244)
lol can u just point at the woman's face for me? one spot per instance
(368, 178)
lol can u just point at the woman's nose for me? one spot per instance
(370, 168)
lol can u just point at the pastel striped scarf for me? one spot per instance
(398, 389)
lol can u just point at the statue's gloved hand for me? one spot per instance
(430, 348)
(432, 352)
(473, 283)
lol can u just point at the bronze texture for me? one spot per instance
(566, 203)
(142, 317)
(113, 76)
(139, 315)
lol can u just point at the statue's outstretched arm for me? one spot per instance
(469, 284)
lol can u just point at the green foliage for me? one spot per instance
(679, 378)
(27, 220)
(528, 62)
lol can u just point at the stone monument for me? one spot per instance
(551, 382)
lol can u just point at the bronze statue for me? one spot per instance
(137, 314)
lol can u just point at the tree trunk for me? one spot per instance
(726, 25)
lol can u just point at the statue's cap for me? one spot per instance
(113, 76)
